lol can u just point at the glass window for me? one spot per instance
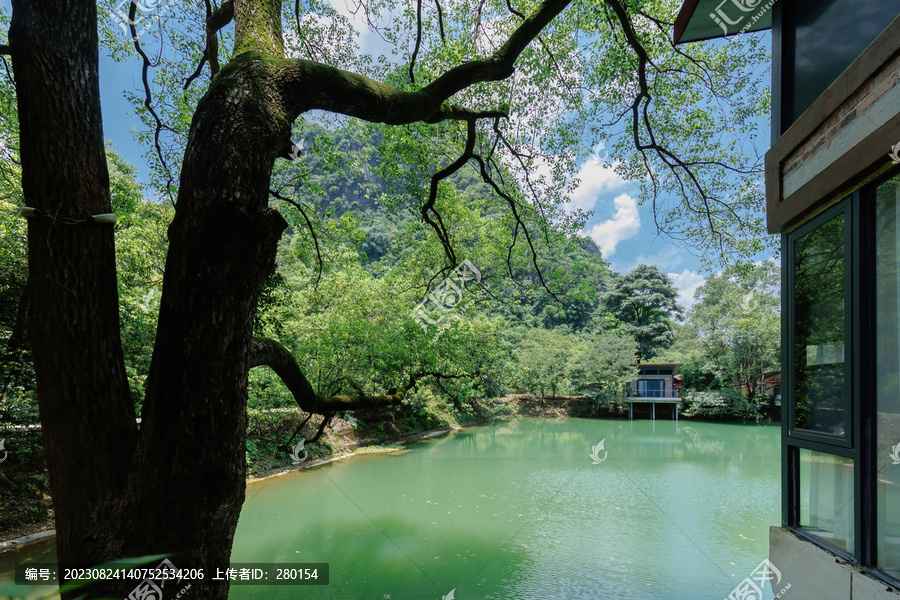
(821, 401)
(827, 497)
(829, 36)
(887, 377)
(651, 388)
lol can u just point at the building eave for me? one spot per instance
(696, 20)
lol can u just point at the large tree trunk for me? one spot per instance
(178, 488)
(187, 485)
(73, 328)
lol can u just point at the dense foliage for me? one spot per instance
(362, 296)
(643, 302)
(731, 344)
(345, 303)
(421, 315)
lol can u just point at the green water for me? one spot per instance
(517, 510)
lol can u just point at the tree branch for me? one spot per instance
(486, 177)
(686, 173)
(312, 231)
(412, 61)
(148, 100)
(221, 17)
(440, 13)
(355, 95)
(267, 352)
(215, 21)
(438, 223)
(326, 420)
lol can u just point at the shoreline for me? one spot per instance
(428, 434)
(39, 532)
(514, 405)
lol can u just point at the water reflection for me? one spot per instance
(517, 510)
(820, 330)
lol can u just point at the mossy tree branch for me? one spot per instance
(308, 85)
(257, 27)
(268, 352)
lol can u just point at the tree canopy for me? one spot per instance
(688, 127)
(733, 332)
(643, 302)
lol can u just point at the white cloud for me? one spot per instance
(687, 283)
(595, 178)
(623, 225)
(370, 42)
(669, 258)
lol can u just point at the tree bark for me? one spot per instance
(177, 488)
(18, 341)
(73, 326)
(187, 483)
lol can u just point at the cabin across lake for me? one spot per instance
(656, 383)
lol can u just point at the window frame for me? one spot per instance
(860, 215)
(820, 439)
(647, 392)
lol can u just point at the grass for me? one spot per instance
(380, 449)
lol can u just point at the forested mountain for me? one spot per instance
(353, 268)
(360, 300)
(380, 264)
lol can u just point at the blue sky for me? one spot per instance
(118, 115)
(623, 229)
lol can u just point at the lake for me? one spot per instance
(517, 510)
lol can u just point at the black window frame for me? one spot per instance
(859, 213)
(784, 63)
(842, 208)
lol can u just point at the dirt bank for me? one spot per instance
(25, 490)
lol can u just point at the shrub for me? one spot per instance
(720, 404)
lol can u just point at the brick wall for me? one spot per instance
(854, 108)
